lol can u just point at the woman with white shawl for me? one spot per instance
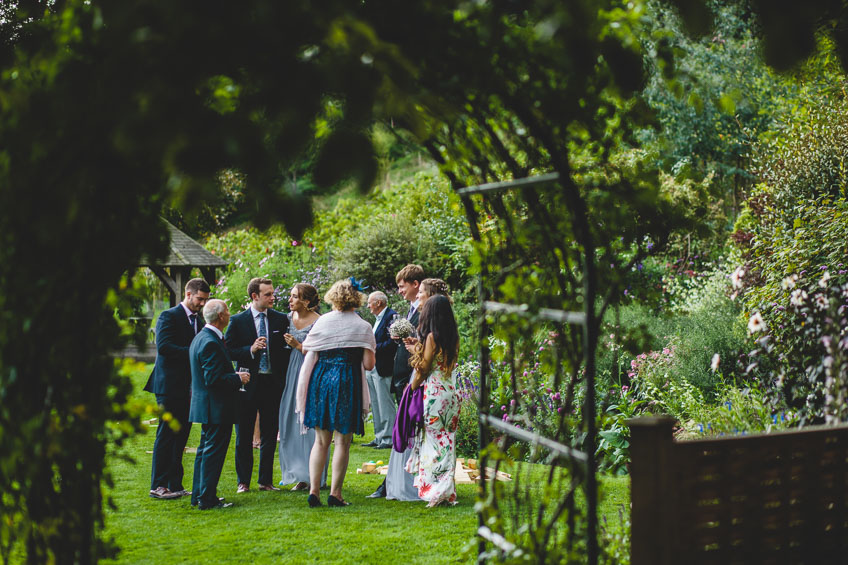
(332, 394)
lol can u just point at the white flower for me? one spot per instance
(821, 302)
(715, 363)
(401, 328)
(755, 324)
(736, 277)
(797, 297)
(789, 282)
(824, 279)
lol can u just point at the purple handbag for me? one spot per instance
(409, 418)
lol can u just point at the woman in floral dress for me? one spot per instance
(433, 458)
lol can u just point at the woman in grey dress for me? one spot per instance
(294, 446)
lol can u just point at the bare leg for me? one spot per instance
(318, 458)
(341, 455)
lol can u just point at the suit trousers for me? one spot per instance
(167, 467)
(209, 462)
(266, 399)
(383, 406)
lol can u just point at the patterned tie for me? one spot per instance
(264, 365)
(193, 319)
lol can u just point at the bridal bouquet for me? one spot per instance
(401, 328)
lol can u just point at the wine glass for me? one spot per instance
(243, 370)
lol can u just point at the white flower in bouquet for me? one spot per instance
(401, 328)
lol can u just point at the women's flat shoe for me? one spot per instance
(333, 501)
(314, 501)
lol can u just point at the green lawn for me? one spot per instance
(278, 527)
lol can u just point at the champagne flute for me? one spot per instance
(243, 370)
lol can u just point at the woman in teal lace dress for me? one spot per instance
(332, 394)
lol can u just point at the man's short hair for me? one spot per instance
(379, 295)
(213, 310)
(253, 285)
(410, 273)
(197, 285)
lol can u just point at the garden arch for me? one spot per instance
(519, 241)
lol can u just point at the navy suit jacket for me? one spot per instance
(171, 374)
(402, 370)
(386, 346)
(213, 381)
(242, 333)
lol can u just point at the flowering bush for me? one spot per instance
(272, 254)
(803, 351)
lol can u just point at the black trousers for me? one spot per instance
(209, 462)
(167, 468)
(265, 397)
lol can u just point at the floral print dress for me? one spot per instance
(433, 457)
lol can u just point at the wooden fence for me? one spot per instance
(775, 498)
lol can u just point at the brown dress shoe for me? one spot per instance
(163, 493)
(268, 487)
(242, 487)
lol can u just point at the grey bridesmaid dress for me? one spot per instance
(294, 446)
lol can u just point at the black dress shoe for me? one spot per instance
(333, 501)
(379, 493)
(370, 444)
(314, 501)
(220, 499)
(384, 446)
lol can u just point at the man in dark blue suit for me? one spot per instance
(408, 280)
(214, 387)
(170, 381)
(380, 377)
(255, 340)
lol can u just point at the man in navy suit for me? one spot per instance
(380, 377)
(213, 403)
(255, 340)
(170, 381)
(408, 281)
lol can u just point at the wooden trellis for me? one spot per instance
(582, 460)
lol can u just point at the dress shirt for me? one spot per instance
(255, 313)
(379, 318)
(189, 313)
(218, 332)
(413, 307)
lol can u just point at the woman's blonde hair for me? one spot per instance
(342, 296)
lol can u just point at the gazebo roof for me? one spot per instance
(185, 252)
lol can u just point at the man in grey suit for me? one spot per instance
(380, 377)
(213, 403)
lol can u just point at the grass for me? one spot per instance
(278, 527)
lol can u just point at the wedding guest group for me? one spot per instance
(313, 379)
(170, 381)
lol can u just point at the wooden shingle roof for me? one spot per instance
(185, 252)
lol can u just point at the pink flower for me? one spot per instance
(295, 243)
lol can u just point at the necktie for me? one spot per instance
(193, 319)
(264, 365)
(411, 313)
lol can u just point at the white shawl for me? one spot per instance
(334, 330)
